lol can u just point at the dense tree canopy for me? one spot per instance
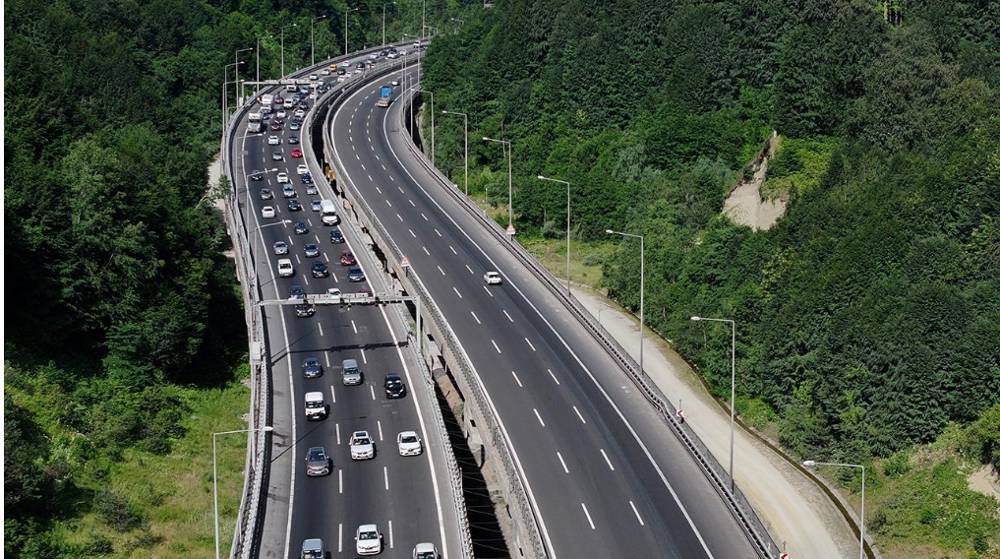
(870, 316)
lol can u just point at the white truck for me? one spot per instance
(266, 99)
(315, 406)
(255, 123)
(329, 212)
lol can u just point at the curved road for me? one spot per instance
(406, 497)
(606, 476)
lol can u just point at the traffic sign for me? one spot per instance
(783, 556)
(405, 262)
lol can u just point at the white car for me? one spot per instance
(334, 294)
(368, 541)
(280, 114)
(288, 104)
(267, 212)
(395, 83)
(362, 447)
(313, 77)
(409, 443)
(285, 268)
(273, 140)
(302, 169)
(300, 113)
(315, 406)
(282, 178)
(425, 551)
(492, 278)
(325, 72)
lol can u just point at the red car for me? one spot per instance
(278, 101)
(296, 153)
(347, 259)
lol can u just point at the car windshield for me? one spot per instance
(425, 555)
(311, 363)
(409, 438)
(368, 536)
(362, 441)
(314, 404)
(316, 454)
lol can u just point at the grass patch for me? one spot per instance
(797, 166)
(585, 260)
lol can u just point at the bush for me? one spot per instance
(116, 511)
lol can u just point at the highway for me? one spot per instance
(407, 497)
(605, 475)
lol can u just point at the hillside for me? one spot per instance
(869, 316)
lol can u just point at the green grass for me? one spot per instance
(585, 260)
(171, 493)
(798, 166)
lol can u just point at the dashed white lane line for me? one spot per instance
(578, 414)
(457, 292)
(400, 218)
(385, 476)
(337, 428)
(606, 459)
(354, 326)
(372, 387)
(563, 462)
(391, 178)
(370, 179)
(391, 541)
(553, 375)
(378, 189)
(327, 258)
(297, 259)
(589, 520)
(530, 345)
(453, 251)
(424, 216)
(363, 168)
(305, 279)
(388, 203)
(517, 380)
(476, 317)
(508, 316)
(438, 232)
(487, 291)
(326, 356)
(383, 166)
(427, 252)
(379, 423)
(636, 511)
(538, 416)
(340, 538)
(411, 202)
(442, 271)
(356, 156)
(333, 395)
(340, 481)
(412, 234)
(469, 269)
(495, 346)
(400, 189)
(364, 358)
(320, 326)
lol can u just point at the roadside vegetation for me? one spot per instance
(124, 333)
(869, 315)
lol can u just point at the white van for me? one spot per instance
(285, 268)
(315, 406)
(329, 212)
(266, 99)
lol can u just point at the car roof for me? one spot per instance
(312, 543)
(360, 434)
(407, 433)
(393, 376)
(368, 528)
(424, 547)
(350, 362)
(314, 396)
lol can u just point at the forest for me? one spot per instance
(120, 299)
(869, 317)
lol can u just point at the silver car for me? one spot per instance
(317, 462)
(352, 374)
(280, 247)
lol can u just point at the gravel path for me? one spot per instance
(796, 511)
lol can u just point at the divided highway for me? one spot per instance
(605, 475)
(406, 497)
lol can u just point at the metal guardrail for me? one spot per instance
(738, 504)
(250, 520)
(454, 471)
(446, 336)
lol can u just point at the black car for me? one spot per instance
(355, 275)
(306, 178)
(320, 270)
(256, 175)
(336, 237)
(300, 228)
(293, 139)
(296, 292)
(304, 311)
(294, 205)
(394, 387)
(266, 194)
(311, 367)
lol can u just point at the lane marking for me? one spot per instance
(333, 395)
(424, 216)
(410, 201)
(379, 422)
(438, 232)
(340, 538)
(578, 414)
(364, 358)
(563, 462)
(391, 545)
(442, 271)
(469, 269)
(320, 326)
(589, 520)
(529, 344)
(537, 415)
(495, 346)
(456, 292)
(453, 251)
(337, 428)
(488, 292)
(340, 481)
(427, 252)
(412, 234)
(508, 316)
(517, 380)
(551, 374)
(354, 326)
(400, 218)
(636, 511)
(476, 317)
(326, 356)
(385, 475)
(606, 459)
(372, 387)
(378, 189)
(388, 203)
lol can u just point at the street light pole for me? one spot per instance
(732, 392)
(861, 538)
(312, 39)
(238, 96)
(465, 118)
(540, 177)
(345, 27)
(215, 477)
(642, 286)
(510, 183)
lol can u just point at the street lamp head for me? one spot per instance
(809, 463)
(267, 428)
(540, 177)
(696, 318)
(609, 231)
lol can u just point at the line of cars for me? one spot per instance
(318, 462)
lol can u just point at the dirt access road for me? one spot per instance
(795, 510)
